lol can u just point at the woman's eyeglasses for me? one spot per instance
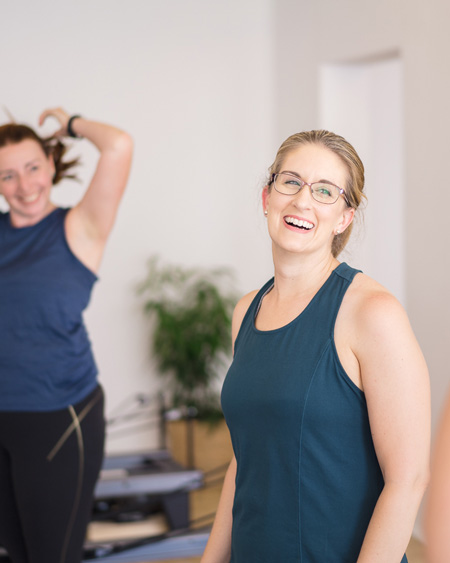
(323, 192)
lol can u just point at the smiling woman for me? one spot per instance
(29, 167)
(26, 178)
(351, 188)
(329, 463)
(330, 218)
(51, 405)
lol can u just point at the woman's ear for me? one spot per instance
(347, 217)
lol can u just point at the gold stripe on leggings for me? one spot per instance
(59, 444)
(76, 425)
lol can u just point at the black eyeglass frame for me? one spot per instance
(303, 184)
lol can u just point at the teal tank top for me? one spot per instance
(307, 475)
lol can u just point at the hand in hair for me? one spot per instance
(61, 115)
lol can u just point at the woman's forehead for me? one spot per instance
(313, 162)
(20, 152)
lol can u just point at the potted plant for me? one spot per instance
(191, 310)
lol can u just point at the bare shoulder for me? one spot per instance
(371, 304)
(239, 312)
(373, 334)
(372, 317)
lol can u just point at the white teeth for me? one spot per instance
(299, 223)
(30, 198)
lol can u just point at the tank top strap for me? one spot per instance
(331, 298)
(252, 311)
(255, 305)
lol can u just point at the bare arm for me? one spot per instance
(218, 548)
(395, 380)
(89, 223)
(437, 513)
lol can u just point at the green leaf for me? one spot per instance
(190, 311)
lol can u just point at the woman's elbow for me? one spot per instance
(124, 143)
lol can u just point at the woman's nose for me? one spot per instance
(23, 183)
(303, 197)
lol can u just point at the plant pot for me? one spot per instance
(204, 446)
(198, 444)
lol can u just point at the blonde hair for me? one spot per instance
(344, 150)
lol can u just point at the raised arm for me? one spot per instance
(395, 381)
(89, 223)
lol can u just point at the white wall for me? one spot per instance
(191, 81)
(363, 101)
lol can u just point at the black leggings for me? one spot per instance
(49, 463)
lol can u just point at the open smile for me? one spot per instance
(29, 198)
(301, 224)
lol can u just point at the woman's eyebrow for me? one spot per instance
(300, 178)
(32, 161)
(29, 163)
(291, 172)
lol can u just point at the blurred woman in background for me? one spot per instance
(51, 405)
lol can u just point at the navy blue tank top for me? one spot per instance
(46, 362)
(307, 475)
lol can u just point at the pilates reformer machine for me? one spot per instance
(134, 487)
(137, 489)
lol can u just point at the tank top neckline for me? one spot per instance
(269, 288)
(11, 227)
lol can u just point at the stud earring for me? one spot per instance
(265, 212)
(338, 232)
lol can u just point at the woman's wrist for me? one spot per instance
(70, 130)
